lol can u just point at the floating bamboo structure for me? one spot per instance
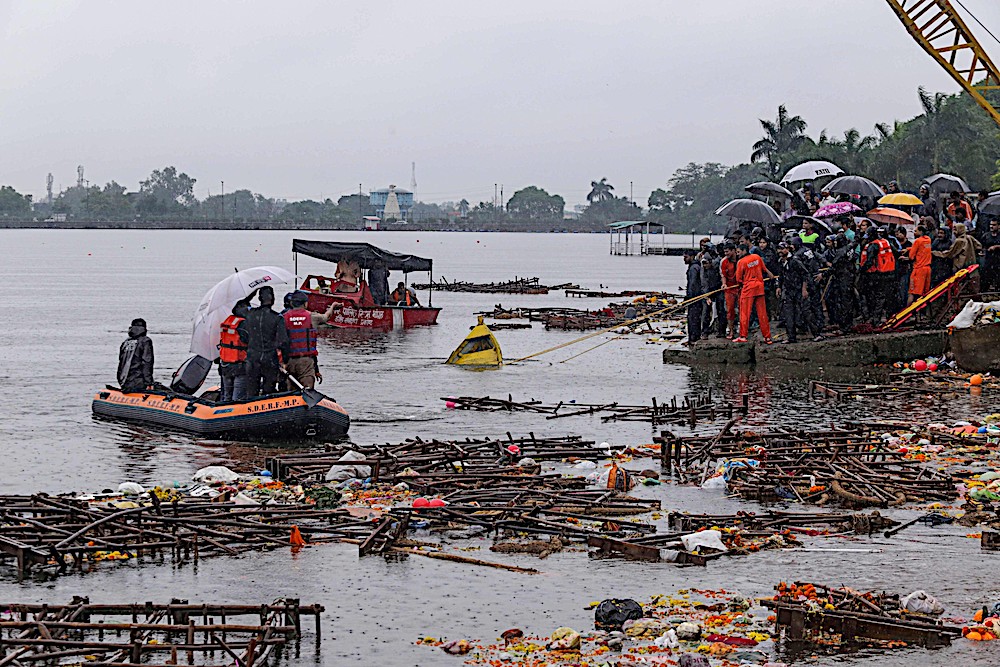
(130, 635)
(689, 409)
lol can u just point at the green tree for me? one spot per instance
(166, 192)
(534, 203)
(109, 203)
(463, 208)
(695, 191)
(782, 136)
(611, 210)
(351, 203)
(13, 204)
(600, 191)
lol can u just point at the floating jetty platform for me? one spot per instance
(843, 351)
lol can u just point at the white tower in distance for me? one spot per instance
(392, 211)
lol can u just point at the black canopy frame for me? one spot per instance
(366, 255)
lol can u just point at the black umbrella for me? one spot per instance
(946, 183)
(990, 205)
(751, 210)
(795, 222)
(854, 185)
(767, 189)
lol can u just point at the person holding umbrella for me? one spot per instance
(266, 337)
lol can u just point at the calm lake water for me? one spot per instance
(72, 294)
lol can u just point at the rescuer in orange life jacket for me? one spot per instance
(302, 362)
(233, 358)
(403, 296)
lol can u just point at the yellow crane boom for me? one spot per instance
(942, 33)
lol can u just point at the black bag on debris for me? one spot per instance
(612, 614)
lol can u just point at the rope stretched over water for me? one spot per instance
(638, 320)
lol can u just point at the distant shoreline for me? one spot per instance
(538, 228)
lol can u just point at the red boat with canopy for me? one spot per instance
(348, 291)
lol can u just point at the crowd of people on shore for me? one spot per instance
(837, 275)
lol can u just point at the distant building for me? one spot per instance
(391, 203)
(371, 223)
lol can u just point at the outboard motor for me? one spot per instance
(191, 375)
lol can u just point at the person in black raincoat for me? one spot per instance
(266, 336)
(712, 281)
(770, 257)
(135, 359)
(840, 299)
(378, 283)
(941, 266)
(795, 280)
(695, 287)
(815, 318)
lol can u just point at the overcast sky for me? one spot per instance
(309, 99)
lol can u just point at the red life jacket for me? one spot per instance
(232, 350)
(301, 334)
(886, 261)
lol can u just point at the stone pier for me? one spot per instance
(857, 350)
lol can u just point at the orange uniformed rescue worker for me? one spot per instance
(920, 274)
(750, 275)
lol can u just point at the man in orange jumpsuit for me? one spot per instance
(920, 255)
(727, 267)
(750, 271)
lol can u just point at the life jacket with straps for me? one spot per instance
(885, 261)
(398, 296)
(232, 350)
(301, 334)
(619, 479)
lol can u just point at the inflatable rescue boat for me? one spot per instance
(288, 416)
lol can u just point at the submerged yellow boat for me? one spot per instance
(480, 348)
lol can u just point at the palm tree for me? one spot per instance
(600, 191)
(463, 208)
(782, 136)
(931, 127)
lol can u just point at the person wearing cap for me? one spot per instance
(302, 361)
(798, 283)
(840, 295)
(266, 337)
(695, 288)
(135, 359)
(929, 208)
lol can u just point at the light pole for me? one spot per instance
(222, 204)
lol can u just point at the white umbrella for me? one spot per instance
(808, 171)
(218, 302)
